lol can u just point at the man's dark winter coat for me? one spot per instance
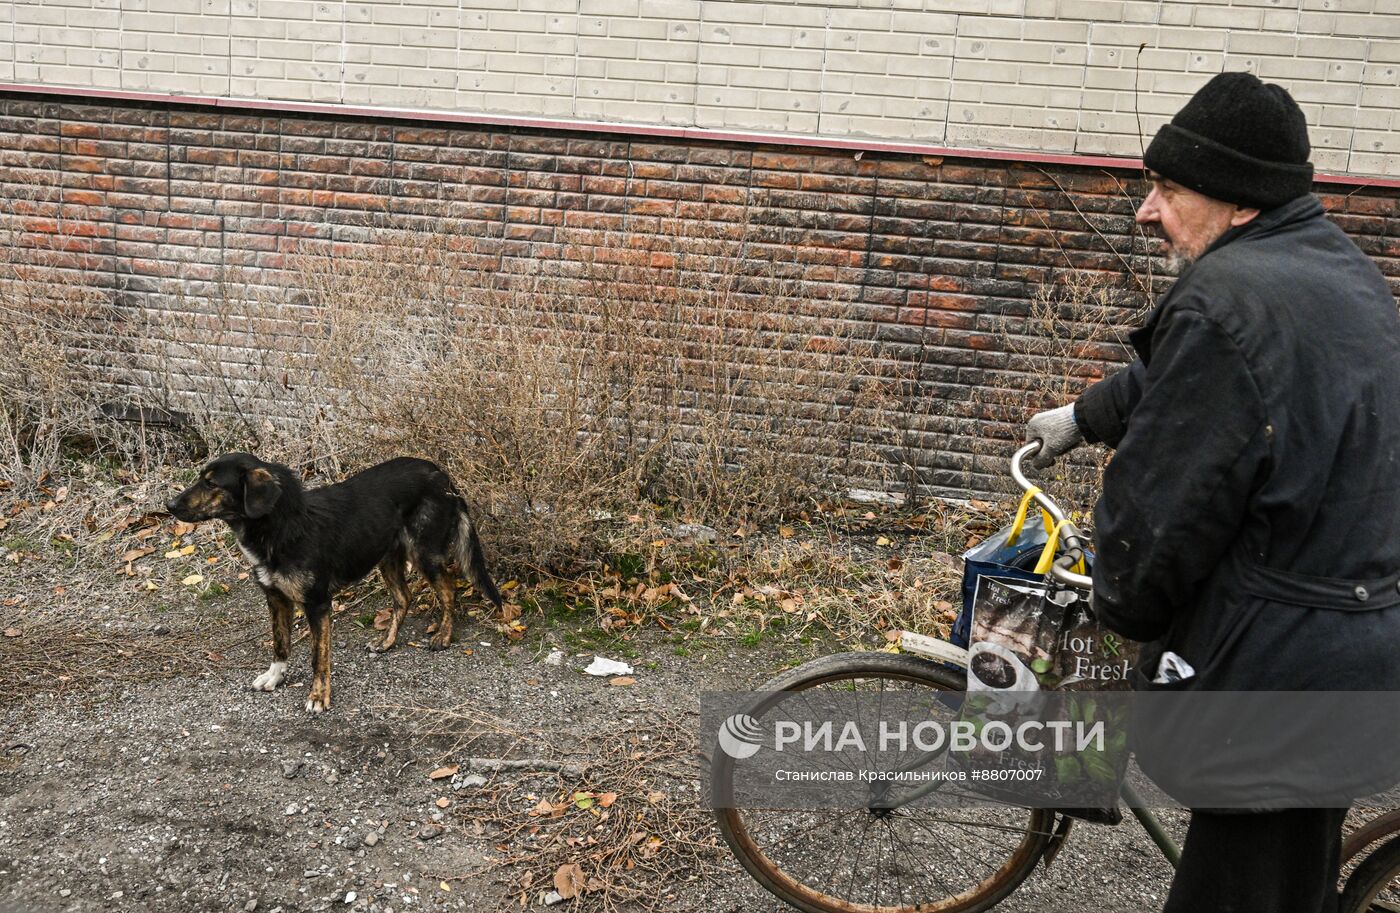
(1250, 519)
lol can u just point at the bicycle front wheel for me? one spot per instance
(1375, 885)
(877, 859)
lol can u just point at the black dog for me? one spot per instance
(307, 545)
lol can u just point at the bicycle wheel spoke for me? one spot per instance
(989, 865)
(831, 879)
(839, 757)
(943, 885)
(807, 830)
(896, 867)
(994, 827)
(859, 851)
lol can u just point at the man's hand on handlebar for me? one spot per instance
(1070, 539)
(1057, 432)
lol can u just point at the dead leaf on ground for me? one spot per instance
(136, 553)
(13, 632)
(569, 880)
(622, 681)
(443, 772)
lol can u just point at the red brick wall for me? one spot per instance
(939, 259)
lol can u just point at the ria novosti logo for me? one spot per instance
(740, 736)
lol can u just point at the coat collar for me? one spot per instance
(1262, 225)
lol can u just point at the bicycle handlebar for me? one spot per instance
(1069, 534)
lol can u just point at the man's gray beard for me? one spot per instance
(1172, 259)
(1176, 262)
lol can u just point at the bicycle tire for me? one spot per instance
(1375, 884)
(812, 883)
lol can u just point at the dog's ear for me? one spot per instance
(260, 493)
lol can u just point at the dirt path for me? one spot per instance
(193, 792)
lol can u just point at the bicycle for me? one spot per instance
(949, 860)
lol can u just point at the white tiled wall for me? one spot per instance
(1073, 76)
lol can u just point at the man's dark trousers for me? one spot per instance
(1260, 862)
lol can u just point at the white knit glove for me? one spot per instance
(1057, 432)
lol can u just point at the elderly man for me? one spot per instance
(1250, 517)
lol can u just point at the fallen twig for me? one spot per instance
(543, 765)
(625, 832)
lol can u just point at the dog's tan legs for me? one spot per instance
(392, 570)
(444, 584)
(318, 619)
(279, 610)
(446, 588)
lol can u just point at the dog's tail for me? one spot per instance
(470, 556)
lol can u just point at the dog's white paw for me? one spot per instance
(317, 705)
(272, 678)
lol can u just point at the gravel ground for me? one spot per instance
(193, 792)
(157, 780)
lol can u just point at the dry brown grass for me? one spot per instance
(660, 376)
(559, 402)
(56, 333)
(1073, 334)
(70, 658)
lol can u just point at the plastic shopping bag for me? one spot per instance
(1031, 643)
(1012, 552)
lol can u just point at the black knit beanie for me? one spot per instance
(1238, 140)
